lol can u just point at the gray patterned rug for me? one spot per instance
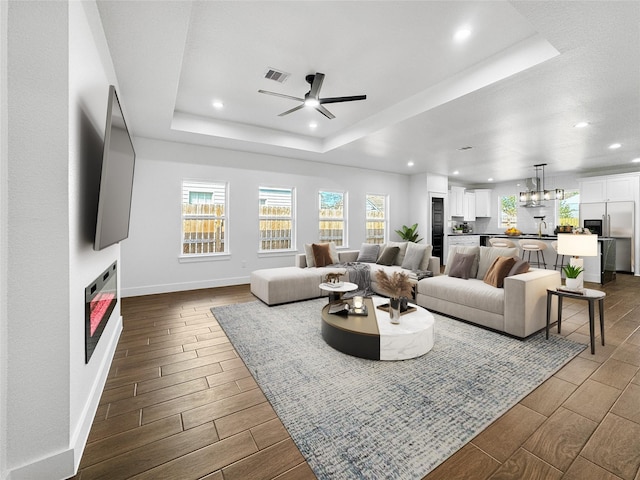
(353, 418)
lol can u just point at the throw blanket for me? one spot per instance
(359, 274)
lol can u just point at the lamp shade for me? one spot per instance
(578, 245)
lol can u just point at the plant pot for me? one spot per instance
(572, 283)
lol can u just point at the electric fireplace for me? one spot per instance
(101, 297)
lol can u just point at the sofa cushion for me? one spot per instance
(424, 264)
(308, 252)
(321, 254)
(453, 249)
(388, 255)
(461, 265)
(498, 271)
(487, 255)
(368, 253)
(472, 293)
(402, 250)
(521, 266)
(414, 255)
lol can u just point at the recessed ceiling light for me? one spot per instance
(613, 146)
(462, 34)
(490, 179)
(456, 172)
(410, 163)
(636, 160)
(217, 104)
(581, 125)
(313, 125)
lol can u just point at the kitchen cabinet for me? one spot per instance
(613, 188)
(456, 201)
(483, 202)
(469, 207)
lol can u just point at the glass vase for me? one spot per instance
(394, 310)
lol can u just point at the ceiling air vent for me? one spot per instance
(276, 75)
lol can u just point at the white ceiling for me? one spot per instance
(512, 91)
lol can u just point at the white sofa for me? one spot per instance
(519, 309)
(300, 282)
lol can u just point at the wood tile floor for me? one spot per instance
(180, 404)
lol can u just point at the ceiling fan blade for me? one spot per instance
(316, 85)
(325, 112)
(281, 95)
(342, 99)
(292, 110)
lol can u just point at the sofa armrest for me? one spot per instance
(525, 301)
(434, 265)
(301, 260)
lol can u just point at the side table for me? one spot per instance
(336, 291)
(589, 295)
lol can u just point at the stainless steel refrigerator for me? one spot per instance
(617, 223)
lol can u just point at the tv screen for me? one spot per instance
(116, 178)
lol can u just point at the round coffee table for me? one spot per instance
(335, 292)
(374, 336)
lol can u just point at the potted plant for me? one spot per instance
(572, 273)
(410, 234)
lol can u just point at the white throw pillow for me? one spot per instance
(413, 256)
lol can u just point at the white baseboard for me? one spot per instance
(181, 287)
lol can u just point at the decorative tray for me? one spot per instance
(385, 307)
(333, 285)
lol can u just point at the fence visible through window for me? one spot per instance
(204, 219)
(376, 223)
(331, 218)
(276, 219)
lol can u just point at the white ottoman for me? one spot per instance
(286, 284)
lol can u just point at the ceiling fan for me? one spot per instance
(312, 97)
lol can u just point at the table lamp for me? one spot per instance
(578, 245)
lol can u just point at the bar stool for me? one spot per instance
(554, 245)
(501, 242)
(537, 246)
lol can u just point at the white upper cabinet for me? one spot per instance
(483, 202)
(609, 189)
(456, 201)
(469, 206)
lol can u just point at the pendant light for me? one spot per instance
(532, 198)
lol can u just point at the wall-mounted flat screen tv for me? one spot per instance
(116, 178)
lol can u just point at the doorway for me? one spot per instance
(437, 226)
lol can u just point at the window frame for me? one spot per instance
(342, 219)
(187, 187)
(384, 220)
(574, 192)
(292, 218)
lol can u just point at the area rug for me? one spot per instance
(353, 418)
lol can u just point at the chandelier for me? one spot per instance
(533, 197)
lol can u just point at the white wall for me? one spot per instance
(55, 99)
(3, 237)
(150, 256)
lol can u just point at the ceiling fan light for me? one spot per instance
(311, 102)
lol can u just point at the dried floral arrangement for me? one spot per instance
(396, 285)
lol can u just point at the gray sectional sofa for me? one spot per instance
(301, 282)
(517, 309)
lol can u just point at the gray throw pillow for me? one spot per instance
(413, 257)
(368, 253)
(521, 266)
(388, 256)
(461, 265)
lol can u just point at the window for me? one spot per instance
(376, 219)
(276, 217)
(508, 211)
(569, 209)
(332, 222)
(204, 218)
